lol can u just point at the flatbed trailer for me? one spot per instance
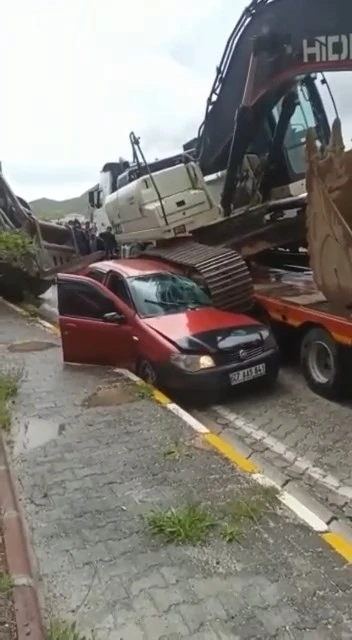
(306, 324)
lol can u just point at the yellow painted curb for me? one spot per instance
(22, 311)
(56, 331)
(161, 397)
(339, 544)
(157, 395)
(19, 310)
(229, 452)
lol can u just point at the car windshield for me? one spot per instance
(160, 294)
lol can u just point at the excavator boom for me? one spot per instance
(273, 42)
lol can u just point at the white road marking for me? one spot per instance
(300, 462)
(193, 422)
(301, 511)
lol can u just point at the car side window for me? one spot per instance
(96, 275)
(118, 287)
(83, 300)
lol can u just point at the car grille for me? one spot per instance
(233, 356)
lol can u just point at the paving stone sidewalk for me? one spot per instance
(90, 470)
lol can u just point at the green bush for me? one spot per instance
(14, 244)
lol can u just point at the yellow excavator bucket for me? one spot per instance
(329, 218)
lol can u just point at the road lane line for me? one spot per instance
(300, 462)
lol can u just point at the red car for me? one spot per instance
(146, 316)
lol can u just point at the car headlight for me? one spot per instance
(192, 362)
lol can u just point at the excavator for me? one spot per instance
(248, 185)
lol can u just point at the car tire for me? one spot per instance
(322, 363)
(146, 372)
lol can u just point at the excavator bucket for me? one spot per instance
(329, 218)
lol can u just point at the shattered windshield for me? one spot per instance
(160, 294)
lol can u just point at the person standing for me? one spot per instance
(96, 243)
(81, 239)
(110, 243)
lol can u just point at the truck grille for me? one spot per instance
(233, 357)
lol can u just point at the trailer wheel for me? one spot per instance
(322, 364)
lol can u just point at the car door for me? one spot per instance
(87, 337)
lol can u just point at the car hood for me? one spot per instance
(208, 330)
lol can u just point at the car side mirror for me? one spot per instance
(114, 318)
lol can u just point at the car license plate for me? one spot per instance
(247, 374)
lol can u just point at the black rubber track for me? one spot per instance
(224, 271)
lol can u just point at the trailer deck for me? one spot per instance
(292, 298)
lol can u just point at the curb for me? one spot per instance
(22, 311)
(331, 529)
(334, 532)
(26, 600)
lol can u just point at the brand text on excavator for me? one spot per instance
(333, 48)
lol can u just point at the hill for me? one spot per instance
(48, 209)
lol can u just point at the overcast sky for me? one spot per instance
(78, 76)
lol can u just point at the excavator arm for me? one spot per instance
(274, 42)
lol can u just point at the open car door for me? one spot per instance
(94, 329)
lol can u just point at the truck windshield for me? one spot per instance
(160, 294)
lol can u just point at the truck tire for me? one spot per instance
(322, 364)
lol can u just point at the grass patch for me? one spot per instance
(239, 513)
(192, 524)
(260, 501)
(59, 630)
(14, 245)
(144, 391)
(231, 532)
(9, 385)
(5, 417)
(6, 583)
(176, 451)
(188, 524)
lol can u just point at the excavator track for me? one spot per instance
(223, 270)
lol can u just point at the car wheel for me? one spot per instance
(146, 371)
(322, 364)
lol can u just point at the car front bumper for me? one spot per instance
(216, 379)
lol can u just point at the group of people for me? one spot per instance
(88, 240)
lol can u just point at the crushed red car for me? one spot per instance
(148, 317)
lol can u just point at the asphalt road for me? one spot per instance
(298, 432)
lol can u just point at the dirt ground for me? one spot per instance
(7, 614)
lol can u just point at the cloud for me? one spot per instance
(78, 76)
